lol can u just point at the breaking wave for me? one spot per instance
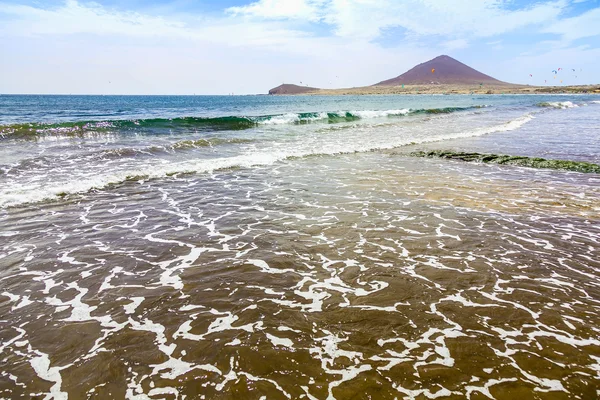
(202, 124)
(22, 194)
(558, 104)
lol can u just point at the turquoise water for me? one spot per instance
(57, 145)
(252, 247)
(43, 108)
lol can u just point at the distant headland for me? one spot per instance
(287, 88)
(441, 75)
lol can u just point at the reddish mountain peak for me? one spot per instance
(440, 70)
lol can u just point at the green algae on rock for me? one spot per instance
(520, 161)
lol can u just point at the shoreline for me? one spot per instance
(453, 90)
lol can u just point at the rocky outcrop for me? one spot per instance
(292, 89)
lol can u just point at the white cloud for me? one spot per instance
(581, 26)
(73, 18)
(365, 19)
(266, 21)
(293, 9)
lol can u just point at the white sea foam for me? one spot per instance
(277, 341)
(485, 389)
(561, 104)
(380, 114)
(505, 127)
(282, 119)
(36, 191)
(234, 342)
(131, 307)
(292, 118)
(264, 267)
(41, 366)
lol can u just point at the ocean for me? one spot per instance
(289, 247)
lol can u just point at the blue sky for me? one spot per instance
(241, 47)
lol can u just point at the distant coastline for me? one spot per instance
(451, 89)
(441, 75)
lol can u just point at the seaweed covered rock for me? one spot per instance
(520, 161)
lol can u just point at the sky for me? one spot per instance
(248, 47)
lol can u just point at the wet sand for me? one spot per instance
(360, 276)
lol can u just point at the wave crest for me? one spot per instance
(558, 104)
(205, 124)
(22, 194)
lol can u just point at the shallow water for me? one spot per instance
(369, 274)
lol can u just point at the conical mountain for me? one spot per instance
(446, 70)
